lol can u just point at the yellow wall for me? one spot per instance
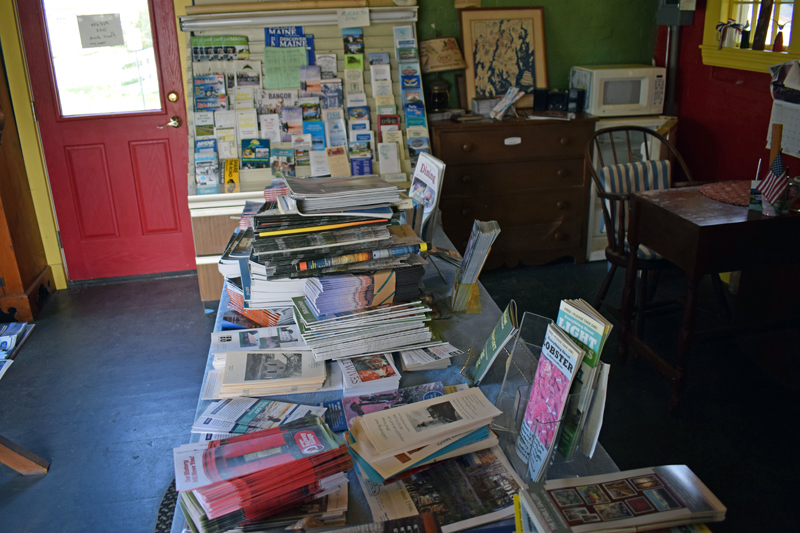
(21, 98)
(180, 10)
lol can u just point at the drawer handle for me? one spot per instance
(512, 141)
(466, 212)
(561, 173)
(466, 179)
(565, 141)
(562, 205)
(560, 236)
(467, 147)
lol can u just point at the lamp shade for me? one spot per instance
(440, 54)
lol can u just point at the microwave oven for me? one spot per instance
(620, 90)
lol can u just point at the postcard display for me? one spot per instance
(375, 79)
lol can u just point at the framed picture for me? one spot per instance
(503, 48)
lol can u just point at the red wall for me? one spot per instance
(723, 113)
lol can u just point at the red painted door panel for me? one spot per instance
(118, 182)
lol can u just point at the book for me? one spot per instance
(255, 153)
(558, 364)
(505, 330)
(633, 500)
(426, 184)
(590, 330)
(292, 119)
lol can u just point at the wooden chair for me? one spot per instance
(619, 167)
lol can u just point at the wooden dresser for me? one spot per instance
(526, 174)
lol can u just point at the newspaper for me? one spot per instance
(237, 416)
(256, 339)
(452, 490)
(404, 428)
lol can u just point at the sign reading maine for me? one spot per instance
(98, 31)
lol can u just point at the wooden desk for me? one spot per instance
(701, 236)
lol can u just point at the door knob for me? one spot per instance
(174, 122)
(172, 97)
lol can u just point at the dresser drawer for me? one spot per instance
(518, 240)
(515, 210)
(504, 178)
(514, 143)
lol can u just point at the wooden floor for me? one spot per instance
(104, 389)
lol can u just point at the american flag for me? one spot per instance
(774, 185)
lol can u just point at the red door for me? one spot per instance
(101, 80)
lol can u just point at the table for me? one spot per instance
(462, 331)
(701, 236)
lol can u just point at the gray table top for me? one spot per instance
(463, 331)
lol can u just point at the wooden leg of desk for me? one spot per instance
(20, 459)
(685, 339)
(629, 292)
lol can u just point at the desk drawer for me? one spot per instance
(504, 178)
(545, 141)
(517, 209)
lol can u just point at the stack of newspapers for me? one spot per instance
(366, 331)
(387, 443)
(342, 194)
(229, 482)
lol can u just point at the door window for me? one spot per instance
(103, 57)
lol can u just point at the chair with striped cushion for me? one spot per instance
(623, 160)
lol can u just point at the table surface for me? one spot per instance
(462, 331)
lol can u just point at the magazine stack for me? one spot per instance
(386, 443)
(230, 482)
(634, 500)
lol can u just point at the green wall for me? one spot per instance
(578, 32)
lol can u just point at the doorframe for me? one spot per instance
(31, 142)
(29, 139)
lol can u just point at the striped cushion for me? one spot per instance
(635, 177)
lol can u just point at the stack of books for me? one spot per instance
(229, 482)
(386, 443)
(634, 500)
(368, 374)
(269, 373)
(365, 331)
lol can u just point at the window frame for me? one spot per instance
(753, 60)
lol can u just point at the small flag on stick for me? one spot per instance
(775, 184)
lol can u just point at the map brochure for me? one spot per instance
(589, 329)
(558, 364)
(426, 184)
(503, 332)
(634, 500)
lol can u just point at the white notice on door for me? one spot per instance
(98, 31)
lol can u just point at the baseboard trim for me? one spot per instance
(127, 279)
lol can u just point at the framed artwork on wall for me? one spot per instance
(503, 48)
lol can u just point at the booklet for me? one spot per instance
(505, 330)
(558, 364)
(426, 184)
(256, 339)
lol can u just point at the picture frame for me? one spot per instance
(481, 28)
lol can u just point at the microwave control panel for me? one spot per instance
(658, 91)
